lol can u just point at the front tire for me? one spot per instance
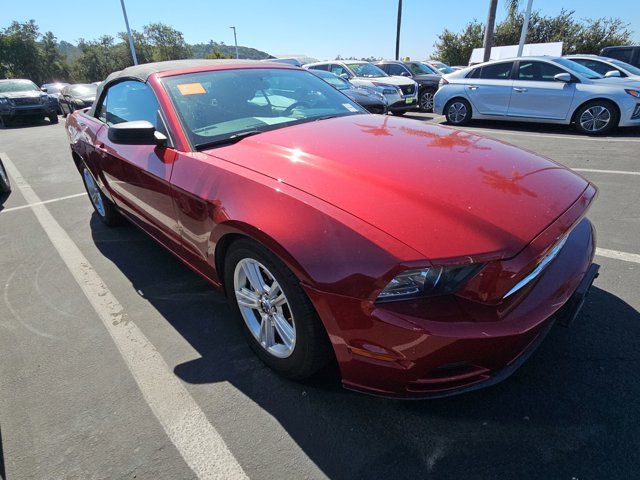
(278, 319)
(53, 118)
(458, 111)
(5, 184)
(105, 209)
(596, 118)
(398, 113)
(426, 100)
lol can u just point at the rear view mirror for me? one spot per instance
(612, 73)
(562, 77)
(139, 132)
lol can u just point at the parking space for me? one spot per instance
(78, 401)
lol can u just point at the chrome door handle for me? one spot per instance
(472, 87)
(520, 89)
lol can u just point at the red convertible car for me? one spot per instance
(426, 261)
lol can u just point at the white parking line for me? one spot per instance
(29, 205)
(543, 135)
(593, 170)
(201, 446)
(627, 257)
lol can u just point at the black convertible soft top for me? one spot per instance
(143, 71)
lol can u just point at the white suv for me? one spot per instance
(401, 93)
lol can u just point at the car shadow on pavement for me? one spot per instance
(569, 412)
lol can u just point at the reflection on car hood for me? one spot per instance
(390, 80)
(444, 192)
(27, 94)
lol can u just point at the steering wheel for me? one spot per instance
(294, 105)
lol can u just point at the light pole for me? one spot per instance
(126, 21)
(525, 28)
(398, 29)
(235, 39)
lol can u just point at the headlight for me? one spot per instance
(633, 93)
(427, 282)
(4, 101)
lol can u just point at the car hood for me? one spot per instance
(446, 193)
(362, 95)
(27, 94)
(427, 78)
(390, 80)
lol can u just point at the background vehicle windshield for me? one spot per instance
(419, 68)
(625, 66)
(217, 105)
(366, 70)
(55, 87)
(443, 67)
(576, 67)
(332, 79)
(18, 86)
(83, 90)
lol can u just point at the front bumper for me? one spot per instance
(408, 102)
(17, 111)
(448, 345)
(630, 113)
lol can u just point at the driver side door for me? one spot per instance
(137, 176)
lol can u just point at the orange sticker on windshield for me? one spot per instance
(191, 89)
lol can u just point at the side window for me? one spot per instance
(128, 101)
(339, 70)
(599, 67)
(475, 73)
(497, 71)
(395, 69)
(538, 71)
(623, 54)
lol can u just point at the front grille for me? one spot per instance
(26, 101)
(408, 89)
(636, 113)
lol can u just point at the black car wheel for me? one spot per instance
(278, 319)
(106, 210)
(398, 113)
(4, 121)
(5, 185)
(596, 118)
(426, 99)
(53, 118)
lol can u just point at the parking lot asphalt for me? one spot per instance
(71, 406)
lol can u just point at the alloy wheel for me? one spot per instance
(264, 307)
(457, 112)
(426, 101)
(595, 119)
(94, 192)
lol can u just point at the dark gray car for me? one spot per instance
(21, 98)
(424, 75)
(372, 101)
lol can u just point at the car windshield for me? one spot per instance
(18, 86)
(577, 68)
(332, 79)
(443, 67)
(87, 90)
(366, 70)
(625, 66)
(218, 106)
(418, 68)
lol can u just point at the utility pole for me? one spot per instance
(235, 39)
(488, 33)
(126, 21)
(398, 30)
(525, 27)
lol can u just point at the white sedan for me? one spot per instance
(539, 89)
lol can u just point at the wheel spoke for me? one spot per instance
(247, 298)
(284, 329)
(266, 336)
(252, 272)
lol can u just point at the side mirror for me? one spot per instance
(612, 73)
(345, 76)
(44, 89)
(405, 74)
(139, 132)
(562, 77)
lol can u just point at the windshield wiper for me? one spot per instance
(236, 137)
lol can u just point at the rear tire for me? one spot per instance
(458, 111)
(5, 184)
(53, 118)
(105, 208)
(596, 118)
(303, 347)
(4, 122)
(398, 113)
(426, 100)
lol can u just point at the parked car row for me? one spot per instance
(596, 94)
(21, 98)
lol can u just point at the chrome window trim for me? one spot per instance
(541, 266)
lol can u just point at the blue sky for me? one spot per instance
(319, 28)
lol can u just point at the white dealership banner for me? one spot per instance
(509, 51)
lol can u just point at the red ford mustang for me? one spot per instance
(427, 261)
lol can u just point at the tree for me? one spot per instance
(54, 64)
(21, 56)
(167, 43)
(578, 35)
